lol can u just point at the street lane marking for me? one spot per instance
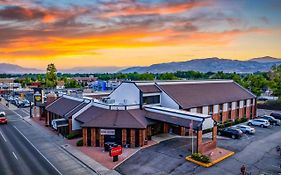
(3, 136)
(37, 150)
(15, 155)
(13, 111)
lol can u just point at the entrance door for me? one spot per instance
(89, 143)
(175, 129)
(118, 136)
(137, 137)
(157, 129)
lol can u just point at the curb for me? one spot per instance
(207, 165)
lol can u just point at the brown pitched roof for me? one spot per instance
(62, 106)
(148, 88)
(76, 109)
(104, 118)
(189, 95)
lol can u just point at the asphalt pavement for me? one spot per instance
(26, 149)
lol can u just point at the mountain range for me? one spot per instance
(213, 64)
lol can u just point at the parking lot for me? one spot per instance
(256, 151)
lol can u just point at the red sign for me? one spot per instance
(116, 151)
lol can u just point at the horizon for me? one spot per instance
(124, 34)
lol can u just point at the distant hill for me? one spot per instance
(209, 65)
(91, 70)
(266, 59)
(15, 69)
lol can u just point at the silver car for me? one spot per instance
(259, 122)
(246, 129)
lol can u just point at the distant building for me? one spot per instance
(60, 85)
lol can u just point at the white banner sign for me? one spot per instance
(107, 131)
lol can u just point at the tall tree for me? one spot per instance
(51, 76)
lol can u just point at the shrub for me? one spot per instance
(220, 125)
(79, 142)
(237, 121)
(73, 135)
(244, 119)
(200, 157)
(227, 124)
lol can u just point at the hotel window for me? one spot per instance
(237, 104)
(210, 109)
(221, 107)
(200, 110)
(245, 103)
(151, 99)
(229, 106)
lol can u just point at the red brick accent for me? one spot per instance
(233, 115)
(84, 136)
(254, 111)
(133, 138)
(224, 116)
(141, 136)
(216, 117)
(214, 133)
(101, 140)
(93, 136)
(199, 141)
(248, 112)
(69, 126)
(124, 136)
(241, 112)
(182, 131)
(165, 128)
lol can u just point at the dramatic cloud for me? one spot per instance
(93, 28)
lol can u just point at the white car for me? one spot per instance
(246, 129)
(2, 114)
(259, 122)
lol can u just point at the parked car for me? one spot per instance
(230, 132)
(245, 129)
(259, 122)
(3, 118)
(271, 120)
(276, 115)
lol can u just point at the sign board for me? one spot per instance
(38, 96)
(107, 132)
(116, 151)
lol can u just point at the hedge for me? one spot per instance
(200, 157)
(73, 135)
(79, 142)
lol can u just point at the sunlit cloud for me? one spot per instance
(43, 31)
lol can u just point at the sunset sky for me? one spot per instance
(77, 33)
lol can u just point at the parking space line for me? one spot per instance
(3, 136)
(15, 155)
(37, 150)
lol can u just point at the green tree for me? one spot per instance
(51, 76)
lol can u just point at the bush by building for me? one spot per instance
(79, 143)
(200, 157)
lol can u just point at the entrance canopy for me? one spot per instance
(180, 117)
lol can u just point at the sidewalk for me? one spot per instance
(74, 152)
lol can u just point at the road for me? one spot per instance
(18, 155)
(27, 148)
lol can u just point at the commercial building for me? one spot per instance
(135, 111)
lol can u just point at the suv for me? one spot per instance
(3, 119)
(245, 129)
(276, 115)
(271, 120)
(259, 122)
(230, 132)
